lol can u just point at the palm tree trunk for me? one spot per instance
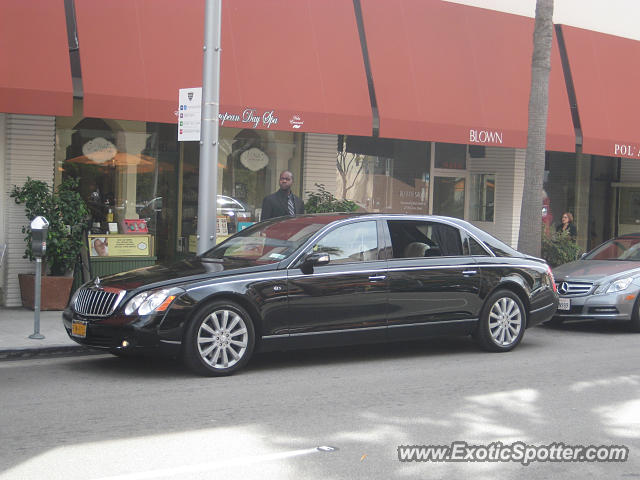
(531, 211)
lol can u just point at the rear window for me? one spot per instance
(416, 238)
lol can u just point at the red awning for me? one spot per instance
(135, 54)
(606, 79)
(453, 73)
(285, 65)
(35, 73)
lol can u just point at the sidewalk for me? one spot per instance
(16, 324)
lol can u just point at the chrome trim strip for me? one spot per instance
(346, 330)
(222, 280)
(538, 268)
(433, 323)
(425, 267)
(541, 308)
(345, 272)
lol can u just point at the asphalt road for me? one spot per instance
(101, 417)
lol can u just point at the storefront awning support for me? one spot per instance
(208, 181)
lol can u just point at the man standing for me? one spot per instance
(283, 202)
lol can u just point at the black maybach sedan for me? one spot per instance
(318, 280)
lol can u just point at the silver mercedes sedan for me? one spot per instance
(603, 284)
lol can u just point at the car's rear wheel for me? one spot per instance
(219, 340)
(502, 322)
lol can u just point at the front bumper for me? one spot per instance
(109, 334)
(611, 306)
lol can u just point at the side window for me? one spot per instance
(356, 242)
(414, 239)
(475, 248)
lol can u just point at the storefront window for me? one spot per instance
(249, 166)
(450, 156)
(558, 195)
(483, 197)
(124, 178)
(138, 179)
(384, 175)
(448, 196)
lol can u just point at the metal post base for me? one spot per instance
(36, 336)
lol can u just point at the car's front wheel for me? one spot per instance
(219, 340)
(502, 322)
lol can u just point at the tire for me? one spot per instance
(502, 322)
(219, 340)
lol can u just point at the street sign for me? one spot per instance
(189, 113)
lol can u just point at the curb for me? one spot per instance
(59, 351)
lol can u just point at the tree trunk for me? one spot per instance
(531, 211)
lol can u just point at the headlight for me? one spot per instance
(135, 302)
(153, 301)
(613, 287)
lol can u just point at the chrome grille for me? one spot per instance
(568, 289)
(97, 302)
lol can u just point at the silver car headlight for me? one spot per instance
(615, 286)
(153, 301)
(135, 302)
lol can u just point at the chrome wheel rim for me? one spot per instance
(505, 321)
(222, 339)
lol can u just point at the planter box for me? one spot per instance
(54, 294)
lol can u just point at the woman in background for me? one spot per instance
(567, 225)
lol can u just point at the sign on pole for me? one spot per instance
(189, 114)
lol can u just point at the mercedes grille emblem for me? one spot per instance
(563, 288)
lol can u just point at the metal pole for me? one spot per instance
(208, 181)
(36, 303)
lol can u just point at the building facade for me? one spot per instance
(419, 108)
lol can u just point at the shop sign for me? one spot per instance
(626, 150)
(99, 150)
(189, 113)
(485, 136)
(250, 117)
(135, 245)
(296, 121)
(254, 159)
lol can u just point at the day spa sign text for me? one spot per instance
(189, 113)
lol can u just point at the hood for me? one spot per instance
(595, 270)
(191, 269)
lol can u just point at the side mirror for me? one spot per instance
(314, 259)
(583, 255)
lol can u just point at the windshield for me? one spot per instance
(621, 248)
(270, 241)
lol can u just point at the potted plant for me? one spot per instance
(322, 201)
(66, 212)
(559, 248)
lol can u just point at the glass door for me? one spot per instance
(448, 195)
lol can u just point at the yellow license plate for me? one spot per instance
(79, 329)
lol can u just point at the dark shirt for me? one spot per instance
(571, 229)
(276, 205)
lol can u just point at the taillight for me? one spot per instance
(553, 281)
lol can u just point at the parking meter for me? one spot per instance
(39, 228)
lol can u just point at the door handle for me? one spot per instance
(469, 273)
(375, 278)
